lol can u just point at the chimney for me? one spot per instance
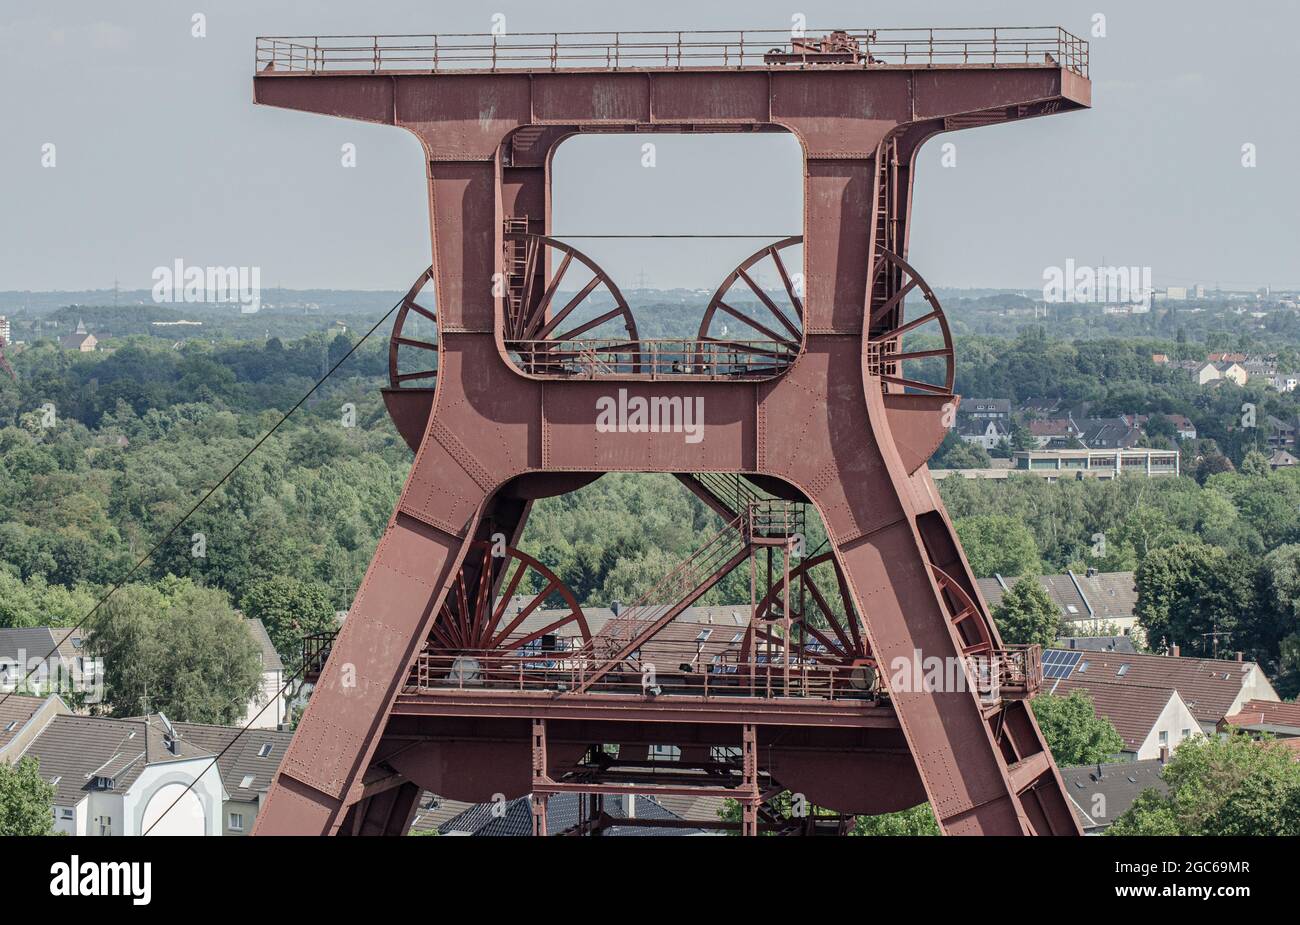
(629, 805)
(1241, 657)
(616, 606)
(1100, 773)
(1174, 651)
(1092, 571)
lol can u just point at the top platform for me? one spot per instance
(761, 50)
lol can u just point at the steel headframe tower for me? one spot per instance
(465, 667)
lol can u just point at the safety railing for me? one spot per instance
(665, 358)
(315, 650)
(1001, 46)
(665, 670)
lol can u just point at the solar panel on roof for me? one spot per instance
(1059, 664)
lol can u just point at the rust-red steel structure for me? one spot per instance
(465, 667)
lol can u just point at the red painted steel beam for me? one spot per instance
(822, 428)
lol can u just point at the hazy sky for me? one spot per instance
(162, 155)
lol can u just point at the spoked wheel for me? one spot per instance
(488, 607)
(413, 346)
(824, 624)
(744, 325)
(910, 354)
(563, 312)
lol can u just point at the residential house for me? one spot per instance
(984, 432)
(80, 340)
(43, 659)
(267, 708)
(1150, 720)
(1101, 793)
(118, 776)
(1089, 603)
(1281, 459)
(126, 777)
(1097, 643)
(1044, 407)
(1279, 719)
(246, 761)
(1233, 372)
(1281, 434)
(1209, 372)
(998, 409)
(1054, 433)
(1109, 433)
(1183, 425)
(1211, 688)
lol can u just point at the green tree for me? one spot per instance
(1074, 732)
(290, 608)
(996, 544)
(1231, 785)
(919, 820)
(35, 602)
(1026, 614)
(1190, 590)
(25, 799)
(961, 455)
(178, 649)
(1150, 814)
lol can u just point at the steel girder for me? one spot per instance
(826, 426)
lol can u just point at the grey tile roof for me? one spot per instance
(15, 712)
(270, 657)
(1097, 643)
(243, 759)
(1105, 597)
(1120, 783)
(75, 749)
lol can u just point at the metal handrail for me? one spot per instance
(1018, 46)
(683, 668)
(596, 358)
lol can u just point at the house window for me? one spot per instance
(247, 781)
(1123, 670)
(703, 635)
(264, 750)
(1164, 737)
(665, 753)
(1187, 733)
(105, 825)
(236, 822)
(65, 812)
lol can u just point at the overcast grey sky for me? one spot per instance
(161, 154)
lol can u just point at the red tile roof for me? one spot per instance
(1266, 713)
(1132, 709)
(1208, 686)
